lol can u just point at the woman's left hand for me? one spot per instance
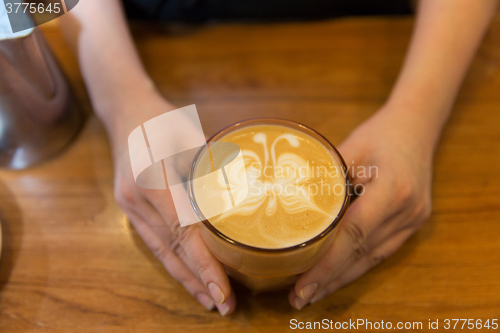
(394, 201)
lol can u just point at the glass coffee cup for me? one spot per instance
(264, 269)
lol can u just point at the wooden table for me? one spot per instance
(71, 261)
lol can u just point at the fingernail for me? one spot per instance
(206, 301)
(308, 290)
(322, 294)
(216, 293)
(299, 303)
(223, 309)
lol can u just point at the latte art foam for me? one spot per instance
(290, 187)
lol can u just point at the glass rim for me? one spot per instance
(294, 125)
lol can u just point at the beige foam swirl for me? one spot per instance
(283, 185)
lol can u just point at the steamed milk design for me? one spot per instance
(295, 188)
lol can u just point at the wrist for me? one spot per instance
(421, 113)
(413, 126)
(123, 111)
(116, 105)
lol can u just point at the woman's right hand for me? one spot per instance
(181, 250)
(124, 97)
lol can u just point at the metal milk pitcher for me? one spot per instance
(38, 114)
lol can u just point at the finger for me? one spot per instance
(173, 265)
(361, 220)
(197, 256)
(363, 265)
(161, 202)
(228, 307)
(394, 226)
(379, 237)
(163, 232)
(295, 301)
(160, 228)
(208, 268)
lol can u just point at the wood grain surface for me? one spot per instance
(71, 262)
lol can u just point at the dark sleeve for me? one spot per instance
(150, 7)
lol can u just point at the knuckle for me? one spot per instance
(329, 270)
(179, 239)
(376, 259)
(159, 251)
(203, 268)
(175, 246)
(180, 233)
(405, 191)
(361, 251)
(124, 195)
(357, 235)
(175, 227)
(422, 212)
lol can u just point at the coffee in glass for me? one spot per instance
(292, 193)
